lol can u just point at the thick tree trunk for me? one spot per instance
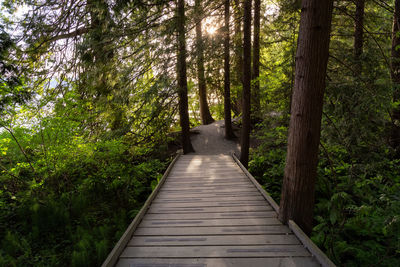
(297, 200)
(358, 34)
(238, 52)
(227, 83)
(395, 74)
(256, 58)
(245, 138)
(182, 79)
(205, 114)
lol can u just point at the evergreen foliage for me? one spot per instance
(89, 121)
(357, 194)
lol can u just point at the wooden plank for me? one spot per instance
(206, 182)
(205, 157)
(208, 187)
(213, 240)
(184, 194)
(222, 174)
(215, 251)
(267, 197)
(215, 163)
(208, 162)
(207, 167)
(206, 172)
(219, 262)
(224, 188)
(221, 192)
(253, 214)
(208, 191)
(215, 230)
(319, 255)
(204, 177)
(211, 204)
(210, 222)
(210, 178)
(202, 199)
(118, 248)
(210, 209)
(229, 191)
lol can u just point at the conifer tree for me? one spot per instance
(227, 83)
(245, 137)
(297, 198)
(182, 78)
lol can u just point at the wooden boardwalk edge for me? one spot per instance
(264, 193)
(113, 257)
(304, 239)
(307, 242)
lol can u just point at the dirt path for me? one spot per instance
(210, 140)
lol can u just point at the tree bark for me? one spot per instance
(205, 114)
(245, 138)
(395, 75)
(358, 34)
(297, 199)
(238, 51)
(256, 57)
(182, 78)
(229, 134)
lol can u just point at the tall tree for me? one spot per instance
(395, 75)
(256, 56)
(358, 33)
(205, 114)
(238, 58)
(182, 78)
(297, 199)
(227, 83)
(245, 138)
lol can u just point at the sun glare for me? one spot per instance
(210, 26)
(211, 30)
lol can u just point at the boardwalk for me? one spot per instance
(209, 213)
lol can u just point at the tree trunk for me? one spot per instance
(227, 83)
(238, 51)
(205, 114)
(395, 75)
(182, 79)
(245, 138)
(256, 57)
(358, 34)
(297, 200)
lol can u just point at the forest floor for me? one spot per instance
(209, 140)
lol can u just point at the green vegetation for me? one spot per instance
(89, 122)
(357, 205)
(70, 199)
(357, 198)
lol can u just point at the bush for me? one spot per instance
(76, 203)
